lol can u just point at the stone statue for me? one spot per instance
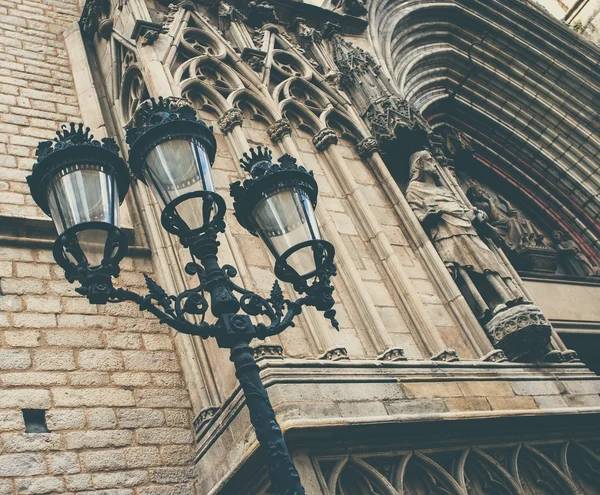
(571, 255)
(512, 323)
(515, 231)
(449, 221)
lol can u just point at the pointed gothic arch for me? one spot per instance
(532, 117)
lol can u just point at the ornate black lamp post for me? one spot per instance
(80, 182)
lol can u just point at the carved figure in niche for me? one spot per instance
(515, 231)
(513, 324)
(573, 258)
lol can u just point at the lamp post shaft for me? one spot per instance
(285, 479)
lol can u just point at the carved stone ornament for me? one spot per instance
(447, 355)
(261, 13)
(230, 119)
(266, 351)
(391, 118)
(306, 35)
(148, 31)
(455, 142)
(203, 418)
(495, 356)
(519, 331)
(336, 353)
(254, 58)
(94, 11)
(324, 138)
(366, 147)
(393, 354)
(356, 8)
(278, 129)
(572, 257)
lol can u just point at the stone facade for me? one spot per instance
(411, 394)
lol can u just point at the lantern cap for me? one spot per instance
(74, 145)
(265, 178)
(156, 121)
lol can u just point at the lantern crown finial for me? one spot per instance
(258, 161)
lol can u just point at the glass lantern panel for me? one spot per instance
(284, 219)
(177, 167)
(84, 193)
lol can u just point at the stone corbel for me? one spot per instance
(336, 353)
(148, 31)
(254, 58)
(366, 147)
(495, 356)
(324, 139)
(279, 129)
(261, 13)
(447, 355)
(230, 119)
(268, 351)
(393, 354)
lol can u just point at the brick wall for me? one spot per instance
(36, 91)
(117, 408)
(109, 380)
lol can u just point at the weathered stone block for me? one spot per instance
(140, 418)
(98, 439)
(432, 389)
(510, 403)
(65, 419)
(22, 465)
(63, 463)
(31, 443)
(163, 436)
(99, 397)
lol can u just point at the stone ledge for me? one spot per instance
(321, 395)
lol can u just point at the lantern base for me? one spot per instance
(95, 279)
(211, 215)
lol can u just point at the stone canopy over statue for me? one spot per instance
(513, 324)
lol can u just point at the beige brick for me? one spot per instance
(131, 379)
(121, 479)
(157, 342)
(73, 338)
(78, 305)
(50, 360)
(486, 389)
(33, 270)
(33, 379)
(79, 482)
(101, 419)
(178, 417)
(98, 439)
(510, 403)
(22, 465)
(162, 436)
(27, 442)
(168, 380)
(432, 389)
(142, 457)
(103, 460)
(150, 361)
(177, 455)
(162, 398)
(100, 360)
(90, 321)
(12, 359)
(63, 463)
(11, 421)
(44, 304)
(22, 338)
(140, 418)
(10, 304)
(99, 397)
(22, 286)
(40, 485)
(88, 379)
(172, 474)
(65, 419)
(32, 320)
(122, 340)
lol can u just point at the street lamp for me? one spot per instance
(80, 182)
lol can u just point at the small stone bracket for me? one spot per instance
(324, 138)
(230, 119)
(148, 31)
(393, 354)
(336, 353)
(254, 58)
(447, 355)
(495, 356)
(268, 351)
(568, 356)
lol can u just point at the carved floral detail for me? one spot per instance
(230, 119)
(448, 355)
(268, 351)
(393, 354)
(335, 354)
(324, 138)
(278, 129)
(367, 147)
